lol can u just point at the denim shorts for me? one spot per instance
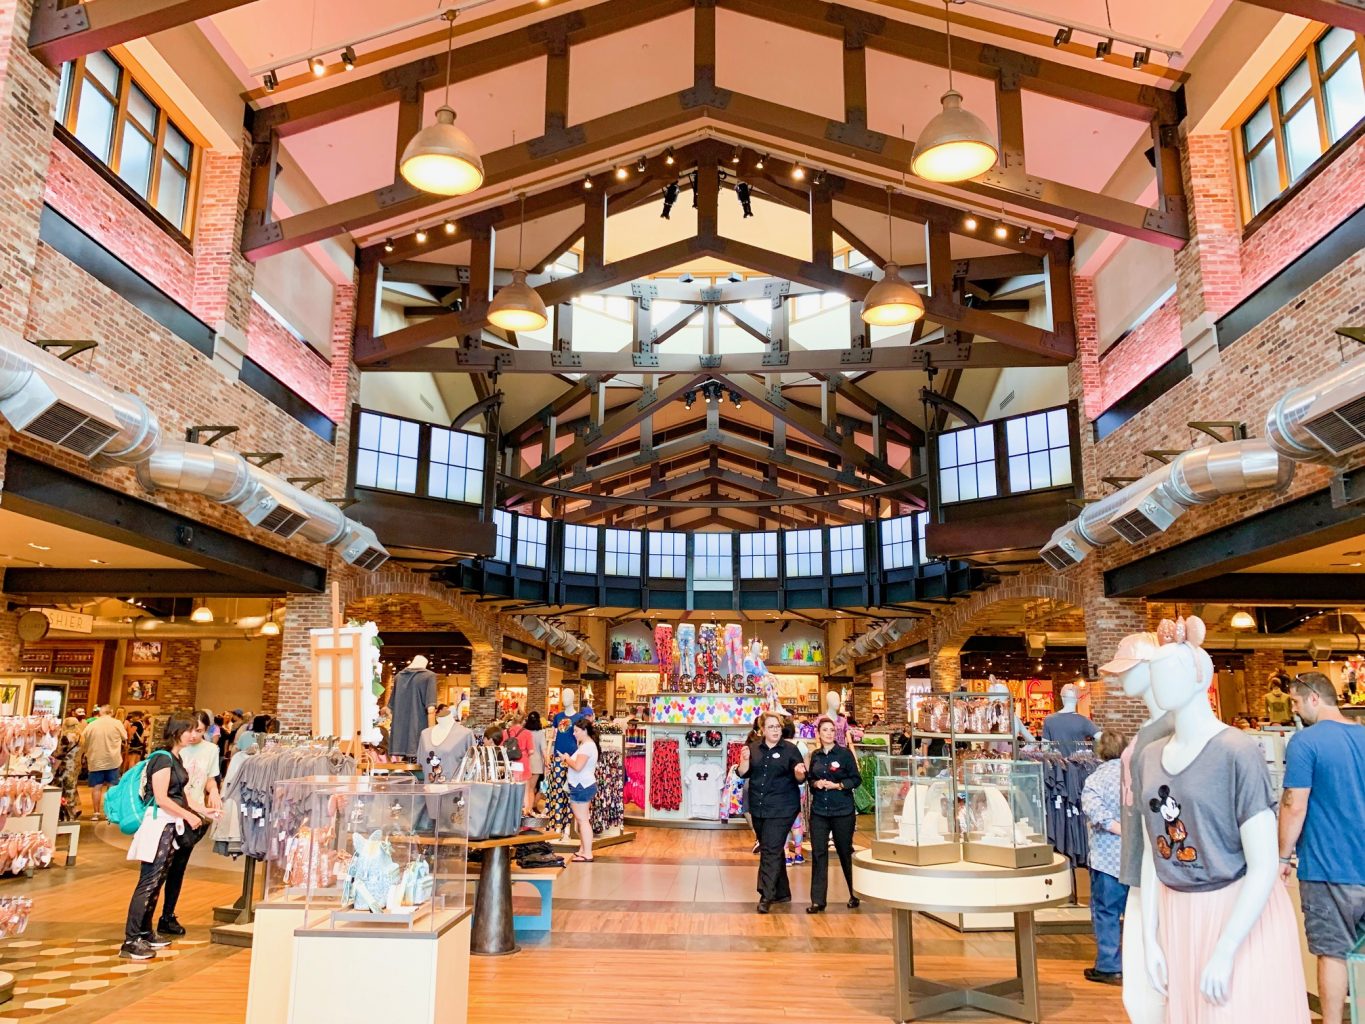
(582, 794)
(104, 777)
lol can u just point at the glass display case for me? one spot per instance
(962, 716)
(387, 855)
(915, 811)
(1002, 814)
(291, 832)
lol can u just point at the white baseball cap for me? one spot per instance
(1133, 648)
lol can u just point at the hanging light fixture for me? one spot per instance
(956, 144)
(892, 301)
(518, 306)
(441, 158)
(1242, 620)
(202, 614)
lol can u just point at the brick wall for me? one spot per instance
(485, 677)
(290, 360)
(537, 686)
(270, 676)
(1145, 349)
(294, 701)
(180, 675)
(10, 644)
(1208, 269)
(222, 276)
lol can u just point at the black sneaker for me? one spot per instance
(137, 950)
(170, 926)
(1104, 977)
(155, 941)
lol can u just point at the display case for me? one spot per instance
(1002, 814)
(915, 811)
(962, 716)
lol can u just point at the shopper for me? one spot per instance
(492, 736)
(137, 740)
(1321, 810)
(200, 758)
(793, 849)
(832, 776)
(165, 825)
(102, 744)
(1100, 800)
(582, 769)
(66, 769)
(535, 737)
(775, 772)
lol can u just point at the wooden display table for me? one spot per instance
(960, 888)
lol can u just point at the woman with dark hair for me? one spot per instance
(167, 823)
(535, 736)
(775, 770)
(832, 772)
(200, 758)
(582, 768)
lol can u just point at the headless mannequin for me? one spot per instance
(413, 704)
(445, 721)
(1020, 729)
(1074, 731)
(1181, 674)
(447, 740)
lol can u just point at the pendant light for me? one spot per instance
(441, 158)
(956, 144)
(270, 627)
(203, 614)
(518, 306)
(892, 301)
(1242, 619)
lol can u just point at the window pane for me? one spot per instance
(948, 485)
(1039, 468)
(1019, 479)
(1258, 126)
(985, 479)
(64, 90)
(1061, 466)
(366, 468)
(407, 476)
(141, 109)
(947, 449)
(1016, 436)
(1301, 140)
(1264, 175)
(966, 447)
(407, 445)
(966, 482)
(102, 68)
(177, 147)
(170, 193)
(1345, 98)
(1058, 431)
(135, 160)
(95, 123)
(1296, 86)
(1332, 45)
(473, 485)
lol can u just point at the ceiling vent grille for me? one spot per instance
(1340, 430)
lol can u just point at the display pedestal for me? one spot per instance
(964, 888)
(423, 976)
(272, 961)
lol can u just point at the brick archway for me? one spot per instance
(959, 625)
(483, 627)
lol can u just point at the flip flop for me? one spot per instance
(580, 859)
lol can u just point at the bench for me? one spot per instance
(543, 881)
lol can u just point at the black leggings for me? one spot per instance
(772, 864)
(820, 829)
(149, 883)
(175, 875)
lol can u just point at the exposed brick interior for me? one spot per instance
(1141, 352)
(291, 361)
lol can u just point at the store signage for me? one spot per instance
(72, 622)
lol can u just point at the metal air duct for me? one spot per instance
(1322, 419)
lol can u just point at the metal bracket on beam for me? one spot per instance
(858, 26)
(644, 293)
(645, 360)
(554, 33)
(774, 397)
(647, 398)
(52, 21)
(254, 236)
(566, 360)
(266, 119)
(775, 358)
(776, 292)
(704, 92)
(342, 503)
(1163, 455)
(557, 137)
(261, 459)
(398, 192)
(1348, 488)
(1024, 184)
(1008, 62)
(409, 75)
(215, 433)
(710, 362)
(1119, 482)
(854, 132)
(712, 294)
(1236, 429)
(68, 348)
(305, 483)
(1172, 221)
(855, 356)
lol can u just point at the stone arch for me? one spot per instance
(483, 627)
(956, 627)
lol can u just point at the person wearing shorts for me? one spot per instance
(582, 781)
(1320, 814)
(102, 743)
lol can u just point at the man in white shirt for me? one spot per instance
(102, 744)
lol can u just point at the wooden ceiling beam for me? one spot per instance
(1330, 12)
(61, 32)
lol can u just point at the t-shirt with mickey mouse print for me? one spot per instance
(704, 780)
(1194, 816)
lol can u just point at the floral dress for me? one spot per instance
(65, 771)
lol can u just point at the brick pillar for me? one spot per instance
(10, 644)
(1209, 266)
(1258, 667)
(860, 697)
(895, 695)
(180, 680)
(537, 686)
(945, 671)
(222, 275)
(344, 382)
(1107, 621)
(270, 681)
(28, 94)
(294, 695)
(484, 677)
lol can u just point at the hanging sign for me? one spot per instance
(72, 622)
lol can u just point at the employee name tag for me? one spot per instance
(834, 766)
(776, 754)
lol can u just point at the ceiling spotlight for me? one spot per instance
(449, 227)
(669, 159)
(733, 277)
(819, 178)
(1103, 48)
(689, 398)
(1001, 231)
(641, 164)
(1062, 37)
(621, 173)
(670, 197)
(745, 199)
(1141, 57)
(734, 157)
(969, 222)
(319, 68)
(685, 278)
(692, 178)
(348, 58)
(421, 236)
(202, 614)
(759, 165)
(956, 144)
(388, 245)
(441, 158)
(798, 172)
(271, 81)
(1025, 234)
(587, 182)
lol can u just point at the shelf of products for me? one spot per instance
(83, 665)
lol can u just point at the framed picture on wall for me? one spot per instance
(140, 689)
(143, 652)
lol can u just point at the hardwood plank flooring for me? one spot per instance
(660, 929)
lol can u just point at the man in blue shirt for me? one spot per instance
(1321, 811)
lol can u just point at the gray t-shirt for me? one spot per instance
(1194, 817)
(1130, 840)
(1069, 730)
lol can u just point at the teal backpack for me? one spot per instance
(126, 804)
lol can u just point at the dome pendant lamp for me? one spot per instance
(441, 158)
(518, 306)
(956, 144)
(892, 301)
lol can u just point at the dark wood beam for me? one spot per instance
(1269, 588)
(60, 32)
(1330, 12)
(49, 584)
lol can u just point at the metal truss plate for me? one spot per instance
(704, 93)
(712, 294)
(1171, 222)
(709, 362)
(1025, 184)
(855, 356)
(408, 75)
(51, 22)
(774, 398)
(566, 360)
(256, 235)
(776, 358)
(556, 138)
(645, 360)
(857, 136)
(398, 192)
(1010, 61)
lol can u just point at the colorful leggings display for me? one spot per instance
(556, 799)
(665, 781)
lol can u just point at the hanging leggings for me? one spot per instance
(556, 797)
(665, 781)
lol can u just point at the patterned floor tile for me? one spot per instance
(129, 969)
(23, 944)
(44, 1004)
(91, 959)
(51, 975)
(57, 951)
(89, 985)
(18, 965)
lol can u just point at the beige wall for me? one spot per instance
(230, 676)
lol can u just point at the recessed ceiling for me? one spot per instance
(58, 547)
(1347, 556)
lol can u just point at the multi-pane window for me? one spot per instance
(845, 549)
(1317, 103)
(531, 535)
(621, 549)
(898, 542)
(805, 553)
(386, 453)
(922, 535)
(711, 557)
(123, 127)
(668, 556)
(580, 548)
(1039, 447)
(456, 470)
(758, 556)
(502, 521)
(966, 464)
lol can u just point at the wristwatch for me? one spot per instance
(1291, 859)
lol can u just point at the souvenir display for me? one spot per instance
(916, 811)
(21, 852)
(14, 912)
(1001, 815)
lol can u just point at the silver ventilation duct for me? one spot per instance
(50, 399)
(874, 640)
(1325, 418)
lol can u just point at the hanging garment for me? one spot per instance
(704, 781)
(608, 806)
(732, 751)
(634, 792)
(665, 782)
(557, 796)
(732, 795)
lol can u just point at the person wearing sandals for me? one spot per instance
(582, 783)
(832, 773)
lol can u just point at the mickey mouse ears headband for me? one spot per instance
(1189, 630)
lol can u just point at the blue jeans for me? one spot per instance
(1108, 897)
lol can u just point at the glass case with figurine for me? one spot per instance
(916, 811)
(1002, 815)
(291, 832)
(962, 716)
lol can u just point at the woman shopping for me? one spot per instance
(166, 825)
(832, 774)
(775, 771)
(1108, 896)
(582, 782)
(200, 758)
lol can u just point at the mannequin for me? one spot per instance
(557, 796)
(1020, 729)
(413, 703)
(1068, 729)
(732, 651)
(1219, 932)
(443, 746)
(834, 700)
(687, 650)
(1131, 669)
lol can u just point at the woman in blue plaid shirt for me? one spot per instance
(1100, 802)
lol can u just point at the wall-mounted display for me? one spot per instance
(143, 652)
(141, 689)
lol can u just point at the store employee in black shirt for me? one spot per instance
(833, 775)
(775, 770)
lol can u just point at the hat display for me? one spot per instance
(1133, 648)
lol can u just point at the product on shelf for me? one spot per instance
(14, 912)
(22, 851)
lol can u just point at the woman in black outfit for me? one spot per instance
(775, 771)
(833, 775)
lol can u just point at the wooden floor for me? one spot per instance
(662, 929)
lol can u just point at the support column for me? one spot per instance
(10, 644)
(945, 671)
(1209, 267)
(860, 699)
(294, 696)
(180, 678)
(1107, 621)
(484, 678)
(223, 277)
(270, 680)
(538, 686)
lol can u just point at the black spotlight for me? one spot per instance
(1103, 48)
(745, 200)
(670, 197)
(1062, 37)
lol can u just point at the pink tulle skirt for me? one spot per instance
(1267, 975)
